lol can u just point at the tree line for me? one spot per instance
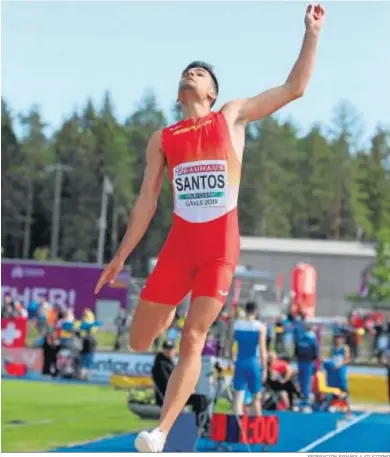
(322, 185)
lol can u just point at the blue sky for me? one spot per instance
(56, 54)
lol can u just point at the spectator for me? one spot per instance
(161, 371)
(270, 335)
(306, 352)
(120, 323)
(8, 307)
(340, 357)
(88, 350)
(280, 377)
(386, 362)
(50, 349)
(279, 336)
(210, 346)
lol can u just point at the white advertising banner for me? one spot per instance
(132, 364)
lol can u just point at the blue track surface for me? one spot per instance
(315, 432)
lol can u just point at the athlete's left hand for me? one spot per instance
(315, 18)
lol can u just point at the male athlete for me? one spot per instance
(203, 154)
(250, 371)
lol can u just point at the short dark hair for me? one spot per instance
(208, 68)
(168, 344)
(251, 307)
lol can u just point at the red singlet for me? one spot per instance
(203, 245)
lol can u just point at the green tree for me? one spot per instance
(349, 212)
(140, 125)
(13, 196)
(373, 177)
(379, 281)
(36, 151)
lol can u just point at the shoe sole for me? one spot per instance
(143, 444)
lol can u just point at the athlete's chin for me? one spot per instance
(188, 85)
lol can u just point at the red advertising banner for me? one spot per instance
(13, 332)
(21, 362)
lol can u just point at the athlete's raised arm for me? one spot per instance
(266, 103)
(142, 212)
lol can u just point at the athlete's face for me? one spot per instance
(199, 81)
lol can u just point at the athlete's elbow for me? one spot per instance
(296, 90)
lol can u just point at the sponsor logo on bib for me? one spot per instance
(200, 184)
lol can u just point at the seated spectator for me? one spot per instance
(327, 397)
(280, 378)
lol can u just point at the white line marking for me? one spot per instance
(330, 435)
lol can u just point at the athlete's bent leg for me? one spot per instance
(182, 382)
(208, 292)
(149, 321)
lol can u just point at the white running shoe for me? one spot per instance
(153, 441)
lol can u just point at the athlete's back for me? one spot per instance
(247, 334)
(248, 369)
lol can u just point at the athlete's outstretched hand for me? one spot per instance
(315, 18)
(110, 273)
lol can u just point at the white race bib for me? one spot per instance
(200, 184)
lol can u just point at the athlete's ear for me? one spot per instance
(212, 95)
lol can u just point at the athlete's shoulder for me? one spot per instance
(155, 140)
(262, 326)
(246, 325)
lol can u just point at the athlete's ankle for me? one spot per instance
(164, 428)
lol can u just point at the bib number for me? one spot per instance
(200, 184)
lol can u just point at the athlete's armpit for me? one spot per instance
(262, 105)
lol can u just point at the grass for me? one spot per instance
(57, 415)
(61, 414)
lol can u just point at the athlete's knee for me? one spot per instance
(139, 342)
(192, 341)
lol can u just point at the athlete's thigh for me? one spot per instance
(213, 280)
(149, 321)
(254, 377)
(239, 378)
(169, 282)
(165, 288)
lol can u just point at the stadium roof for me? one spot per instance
(305, 246)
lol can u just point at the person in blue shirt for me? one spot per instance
(340, 358)
(251, 364)
(306, 352)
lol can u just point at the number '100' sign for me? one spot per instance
(251, 430)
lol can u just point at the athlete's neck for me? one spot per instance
(195, 110)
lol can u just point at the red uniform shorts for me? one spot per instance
(196, 257)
